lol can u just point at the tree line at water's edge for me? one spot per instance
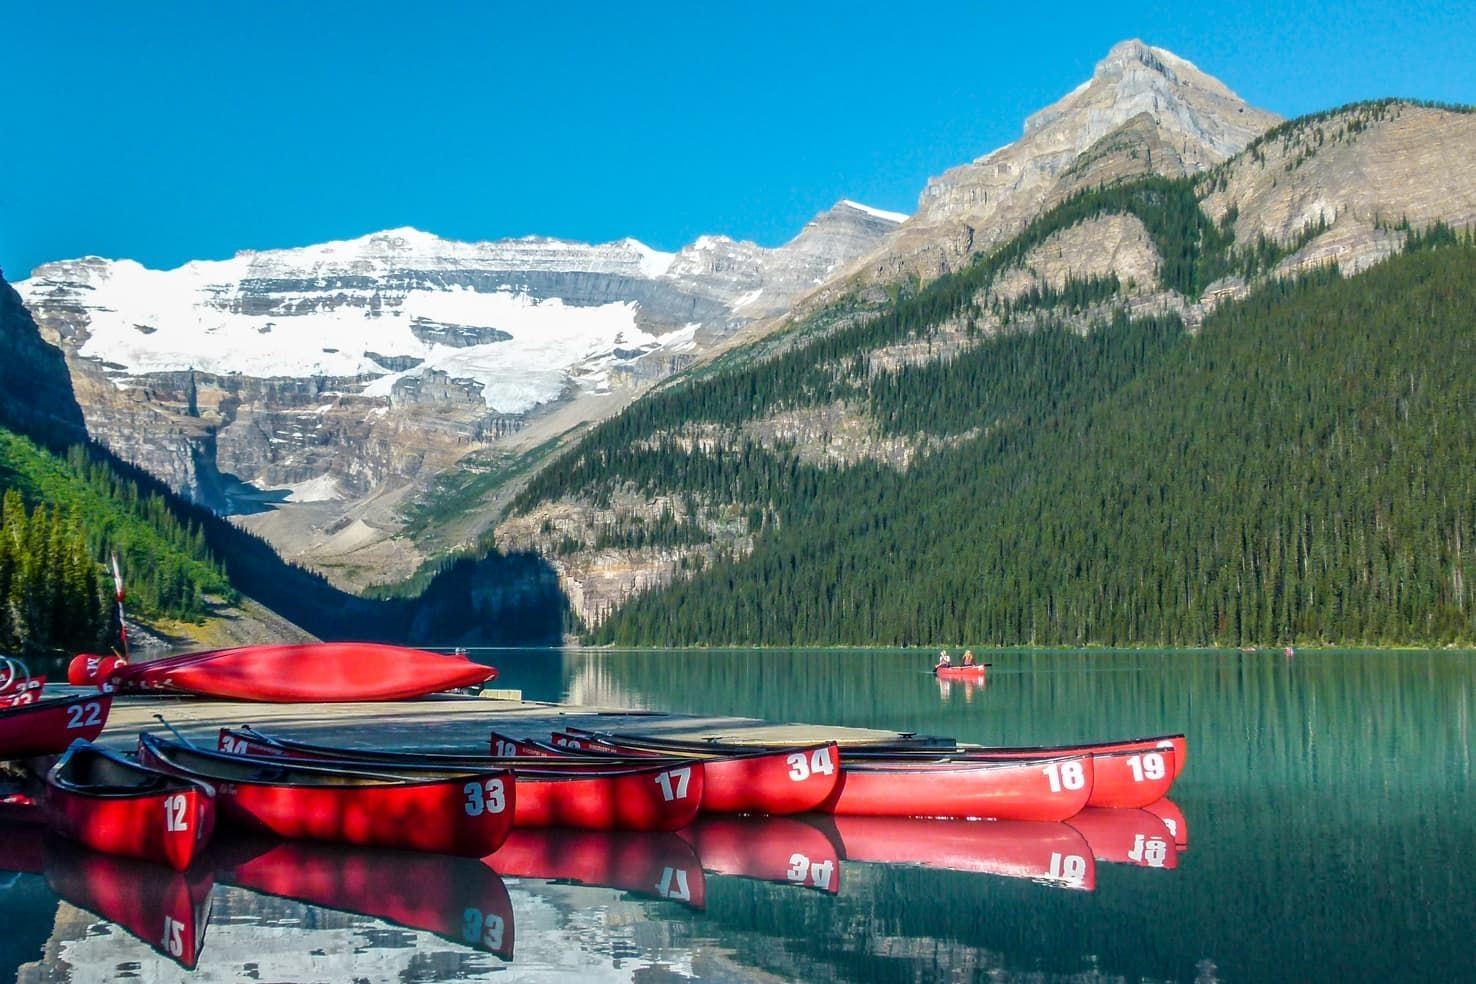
(1298, 469)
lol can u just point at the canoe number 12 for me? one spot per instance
(485, 797)
(176, 813)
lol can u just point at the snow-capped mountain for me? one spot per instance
(336, 371)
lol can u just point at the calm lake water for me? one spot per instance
(1324, 829)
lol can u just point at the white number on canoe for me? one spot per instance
(1070, 868)
(482, 929)
(1150, 851)
(485, 797)
(173, 940)
(1149, 766)
(176, 813)
(84, 715)
(673, 885)
(502, 748)
(1065, 775)
(235, 746)
(819, 764)
(573, 743)
(802, 871)
(673, 783)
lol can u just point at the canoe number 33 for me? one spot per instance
(485, 797)
(482, 929)
(176, 813)
(673, 783)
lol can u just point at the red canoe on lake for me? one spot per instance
(458, 899)
(641, 794)
(49, 725)
(310, 672)
(1006, 789)
(795, 779)
(786, 850)
(656, 865)
(117, 806)
(1127, 837)
(453, 812)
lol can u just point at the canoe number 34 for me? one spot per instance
(485, 797)
(819, 764)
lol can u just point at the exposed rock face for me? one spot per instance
(337, 373)
(36, 396)
(1143, 110)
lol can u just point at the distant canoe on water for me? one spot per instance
(292, 673)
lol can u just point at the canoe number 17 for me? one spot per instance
(485, 797)
(673, 783)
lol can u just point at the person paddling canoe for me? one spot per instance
(944, 661)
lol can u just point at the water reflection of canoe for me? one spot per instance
(49, 725)
(114, 805)
(787, 850)
(1051, 853)
(166, 909)
(453, 813)
(1173, 818)
(657, 865)
(593, 794)
(327, 671)
(458, 899)
(1127, 837)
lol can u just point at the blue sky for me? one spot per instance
(169, 131)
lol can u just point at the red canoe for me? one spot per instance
(657, 865)
(786, 850)
(458, 899)
(973, 671)
(637, 794)
(116, 806)
(454, 812)
(1006, 789)
(1173, 818)
(1127, 837)
(310, 672)
(49, 725)
(796, 779)
(1050, 853)
(167, 910)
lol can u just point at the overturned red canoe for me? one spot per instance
(458, 899)
(1134, 837)
(167, 910)
(116, 806)
(309, 672)
(453, 812)
(1004, 789)
(1050, 853)
(657, 865)
(49, 725)
(775, 782)
(642, 794)
(786, 850)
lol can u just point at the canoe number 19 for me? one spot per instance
(485, 797)
(1065, 775)
(1149, 766)
(84, 715)
(674, 783)
(176, 813)
(819, 763)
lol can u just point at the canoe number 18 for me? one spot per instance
(176, 813)
(673, 783)
(484, 797)
(1065, 775)
(819, 763)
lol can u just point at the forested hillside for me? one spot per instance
(1298, 469)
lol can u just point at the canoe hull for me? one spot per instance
(1039, 789)
(785, 850)
(48, 726)
(1134, 837)
(164, 818)
(1050, 853)
(313, 672)
(656, 865)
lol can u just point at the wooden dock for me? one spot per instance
(437, 722)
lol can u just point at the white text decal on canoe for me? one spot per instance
(484, 797)
(674, 783)
(1065, 775)
(819, 764)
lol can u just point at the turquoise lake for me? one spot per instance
(1324, 829)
